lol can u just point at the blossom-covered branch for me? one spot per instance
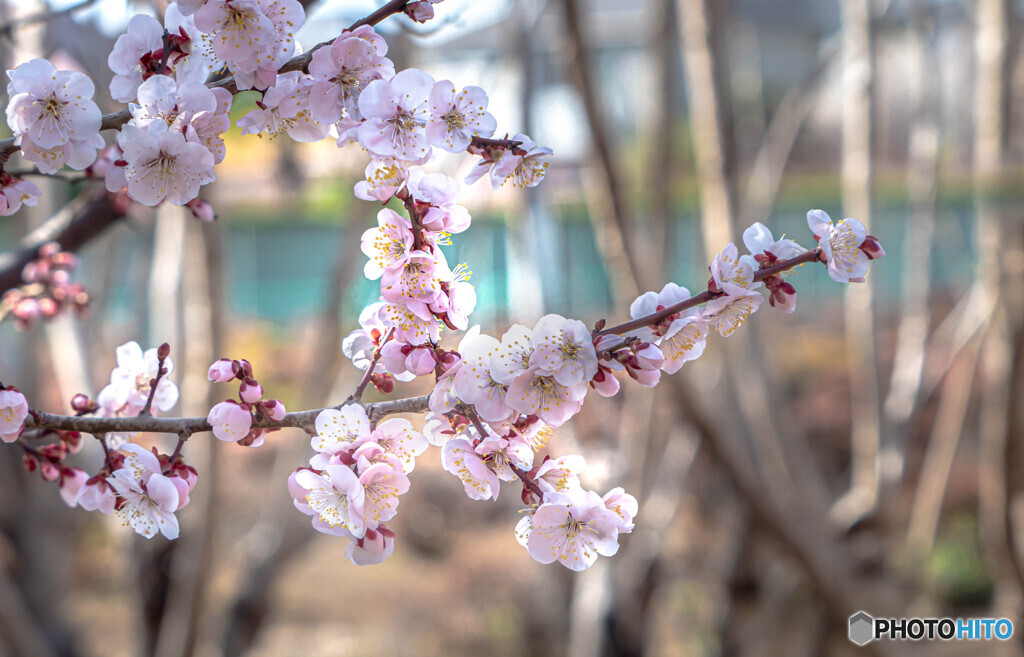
(170, 425)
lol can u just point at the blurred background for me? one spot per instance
(862, 453)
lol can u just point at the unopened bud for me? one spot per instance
(872, 248)
(201, 210)
(49, 249)
(222, 371)
(163, 351)
(274, 409)
(250, 391)
(420, 11)
(48, 307)
(82, 404)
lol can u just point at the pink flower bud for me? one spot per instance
(48, 307)
(230, 421)
(201, 210)
(27, 309)
(274, 409)
(872, 248)
(163, 351)
(420, 11)
(250, 391)
(421, 362)
(222, 371)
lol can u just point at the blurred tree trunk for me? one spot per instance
(922, 177)
(857, 174)
(999, 253)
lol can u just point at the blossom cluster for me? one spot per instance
(47, 289)
(495, 402)
(354, 479)
(232, 420)
(143, 486)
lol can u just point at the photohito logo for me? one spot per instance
(864, 629)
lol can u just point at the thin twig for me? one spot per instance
(813, 255)
(358, 394)
(7, 29)
(162, 353)
(148, 423)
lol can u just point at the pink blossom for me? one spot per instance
(397, 437)
(285, 109)
(564, 348)
(418, 279)
(624, 505)
(412, 321)
(373, 548)
(536, 392)
(222, 371)
(727, 313)
(560, 475)
(76, 153)
(523, 170)
(505, 454)
(334, 498)
(455, 118)
(389, 246)
(731, 274)
(162, 165)
(340, 73)
(439, 192)
(230, 421)
(13, 411)
(384, 177)
(138, 53)
(573, 528)
(51, 107)
(474, 382)
(841, 246)
(396, 113)
(14, 192)
(337, 429)
(459, 458)
(71, 484)
(148, 499)
(513, 355)
(382, 484)
(96, 495)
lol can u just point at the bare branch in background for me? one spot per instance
(91, 213)
(7, 29)
(857, 177)
(922, 187)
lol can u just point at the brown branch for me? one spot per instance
(7, 29)
(162, 353)
(299, 419)
(358, 394)
(647, 320)
(76, 224)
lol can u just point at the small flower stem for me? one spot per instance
(183, 436)
(166, 54)
(507, 144)
(529, 483)
(358, 394)
(813, 255)
(393, 7)
(154, 383)
(102, 437)
(410, 206)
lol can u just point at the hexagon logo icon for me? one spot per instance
(862, 628)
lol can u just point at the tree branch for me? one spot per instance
(300, 419)
(77, 223)
(647, 320)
